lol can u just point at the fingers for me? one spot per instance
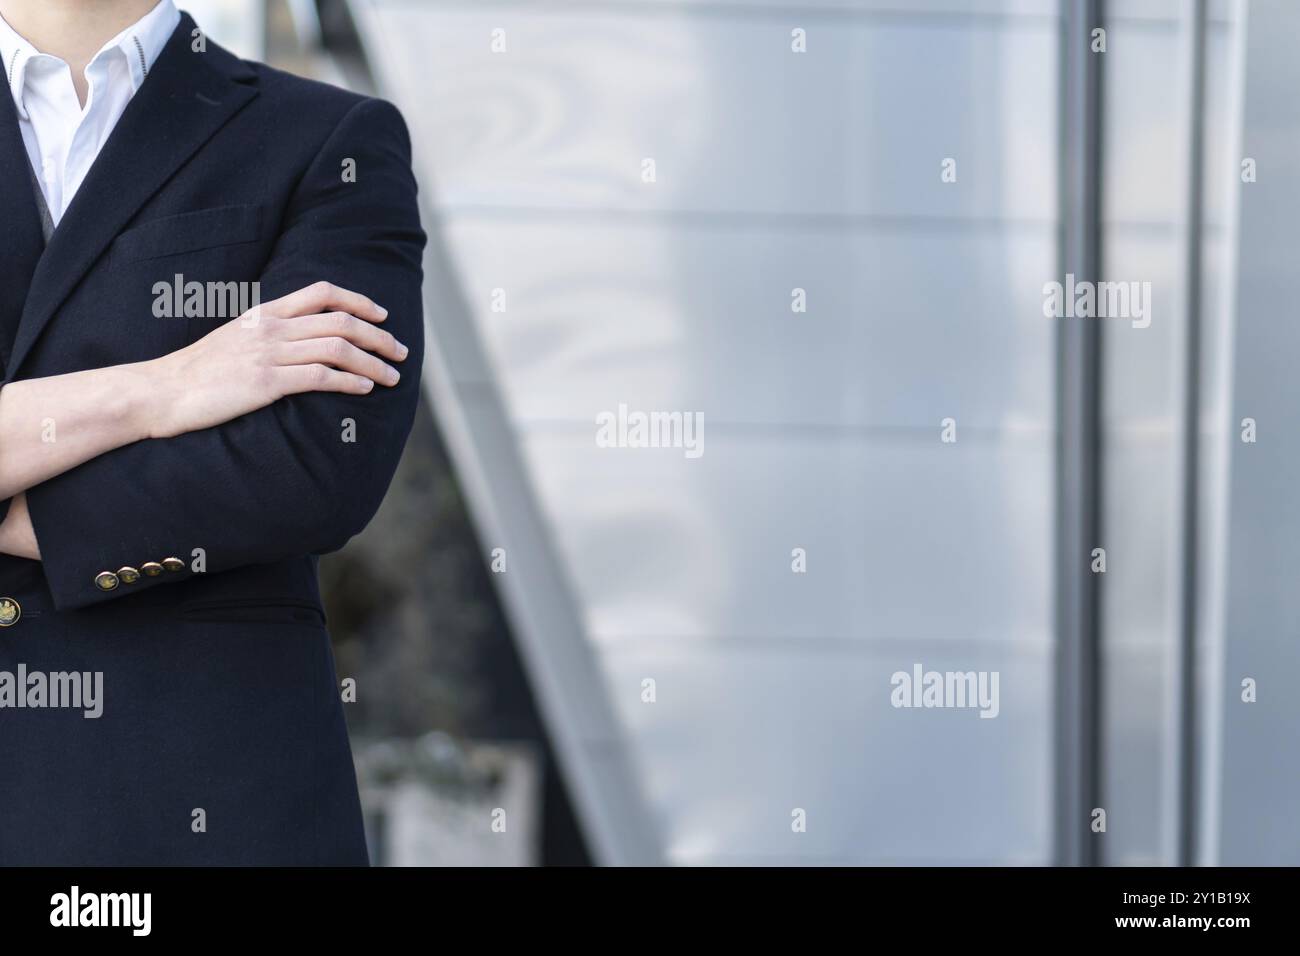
(342, 325)
(338, 353)
(324, 297)
(321, 378)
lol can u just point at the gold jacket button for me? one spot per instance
(106, 580)
(152, 568)
(10, 612)
(173, 564)
(128, 575)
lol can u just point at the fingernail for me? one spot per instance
(383, 313)
(367, 385)
(394, 376)
(402, 351)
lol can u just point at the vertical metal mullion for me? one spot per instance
(1078, 459)
(1186, 675)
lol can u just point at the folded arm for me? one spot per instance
(49, 425)
(302, 473)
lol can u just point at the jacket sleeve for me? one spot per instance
(300, 476)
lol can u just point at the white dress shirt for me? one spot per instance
(63, 138)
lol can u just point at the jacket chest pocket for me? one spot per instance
(198, 268)
(188, 232)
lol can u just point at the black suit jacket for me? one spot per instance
(219, 690)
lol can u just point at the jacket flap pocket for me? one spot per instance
(189, 232)
(269, 610)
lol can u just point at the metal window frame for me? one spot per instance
(1186, 758)
(1078, 451)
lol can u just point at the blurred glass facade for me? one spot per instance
(774, 171)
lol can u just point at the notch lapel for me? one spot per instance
(21, 239)
(186, 98)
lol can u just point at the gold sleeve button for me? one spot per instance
(10, 612)
(128, 575)
(106, 580)
(173, 564)
(152, 568)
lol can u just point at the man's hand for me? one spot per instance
(318, 339)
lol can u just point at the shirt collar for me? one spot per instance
(141, 43)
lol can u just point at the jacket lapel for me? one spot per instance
(187, 97)
(21, 240)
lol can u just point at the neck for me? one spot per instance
(72, 30)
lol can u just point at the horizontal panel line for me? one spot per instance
(836, 222)
(811, 430)
(704, 9)
(839, 222)
(1157, 227)
(1127, 430)
(1117, 644)
(833, 644)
